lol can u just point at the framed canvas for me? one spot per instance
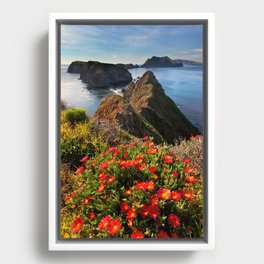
(131, 131)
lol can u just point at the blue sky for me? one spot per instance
(130, 43)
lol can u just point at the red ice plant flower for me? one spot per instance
(70, 197)
(175, 174)
(124, 207)
(104, 223)
(131, 214)
(186, 160)
(173, 220)
(145, 138)
(141, 166)
(91, 216)
(104, 165)
(125, 154)
(128, 192)
(111, 179)
(153, 150)
(149, 144)
(150, 185)
(77, 225)
(162, 234)
(189, 170)
(167, 159)
(114, 227)
(102, 176)
(188, 195)
(137, 234)
(164, 193)
(190, 179)
(101, 187)
(175, 196)
(79, 170)
(111, 149)
(152, 169)
(151, 210)
(84, 159)
(86, 200)
(116, 152)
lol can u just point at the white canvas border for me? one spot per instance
(56, 245)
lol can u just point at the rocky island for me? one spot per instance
(146, 109)
(161, 62)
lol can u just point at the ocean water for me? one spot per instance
(184, 85)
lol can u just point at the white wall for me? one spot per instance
(239, 131)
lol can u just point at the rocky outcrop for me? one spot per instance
(76, 67)
(101, 75)
(160, 62)
(148, 99)
(116, 110)
(145, 109)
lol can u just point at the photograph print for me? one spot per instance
(132, 131)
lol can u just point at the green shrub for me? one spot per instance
(78, 141)
(74, 115)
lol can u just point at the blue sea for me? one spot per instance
(184, 85)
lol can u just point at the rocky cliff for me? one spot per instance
(100, 75)
(119, 112)
(145, 109)
(76, 66)
(160, 62)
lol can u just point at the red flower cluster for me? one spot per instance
(153, 186)
(77, 225)
(113, 226)
(146, 186)
(151, 210)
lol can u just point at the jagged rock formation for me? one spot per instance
(101, 75)
(119, 112)
(160, 62)
(145, 109)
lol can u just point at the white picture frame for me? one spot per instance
(55, 244)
